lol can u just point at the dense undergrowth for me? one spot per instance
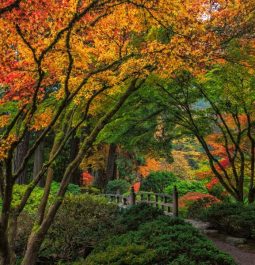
(88, 230)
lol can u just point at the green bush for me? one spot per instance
(33, 201)
(81, 222)
(171, 240)
(36, 195)
(158, 181)
(90, 190)
(72, 188)
(117, 186)
(233, 218)
(133, 254)
(25, 223)
(195, 208)
(124, 255)
(185, 186)
(132, 217)
(219, 192)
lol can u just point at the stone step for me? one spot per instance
(235, 241)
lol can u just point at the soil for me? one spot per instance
(243, 255)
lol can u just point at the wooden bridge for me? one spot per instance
(168, 203)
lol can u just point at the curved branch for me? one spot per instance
(10, 7)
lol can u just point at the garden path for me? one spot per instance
(243, 254)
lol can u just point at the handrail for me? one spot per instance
(166, 202)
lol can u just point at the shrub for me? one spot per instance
(184, 186)
(72, 188)
(36, 195)
(194, 202)
(132, 254)
(124, 255)
(33, 201)
(24, 227)
(233, 218)
(132, 217)
(81, 222)
(216, 189)
(172, 241)
(117, 186)
(90, 190)
(158, 181)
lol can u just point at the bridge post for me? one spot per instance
(156, 200)
(132, 196)
(175, 202)
(124, 201)
(149, 198)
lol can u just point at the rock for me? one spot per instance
(211, 231)
(199, 225)
(235, 240)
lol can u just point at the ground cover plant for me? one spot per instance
(164, 240)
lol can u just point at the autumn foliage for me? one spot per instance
(86, 179)
(68, 66)
(192, 197)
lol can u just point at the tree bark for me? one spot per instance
(19, 155)
(6, 251)
(111, 167)
(38, 162)
(12, 234)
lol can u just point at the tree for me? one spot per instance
(227, 111)
(158, 181)
(29, 70)
(61, 61)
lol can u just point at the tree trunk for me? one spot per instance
(251, 195)
(100, 178)
(111, 168)
(12, 234)
(33, 247)
(39, 231)
(38, 162)
(19, 155)
(5, 258)
(7, 233)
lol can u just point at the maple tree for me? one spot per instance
(60, 63)
(38, 54)
(227, 110)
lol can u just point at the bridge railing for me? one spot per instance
(168, 203)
